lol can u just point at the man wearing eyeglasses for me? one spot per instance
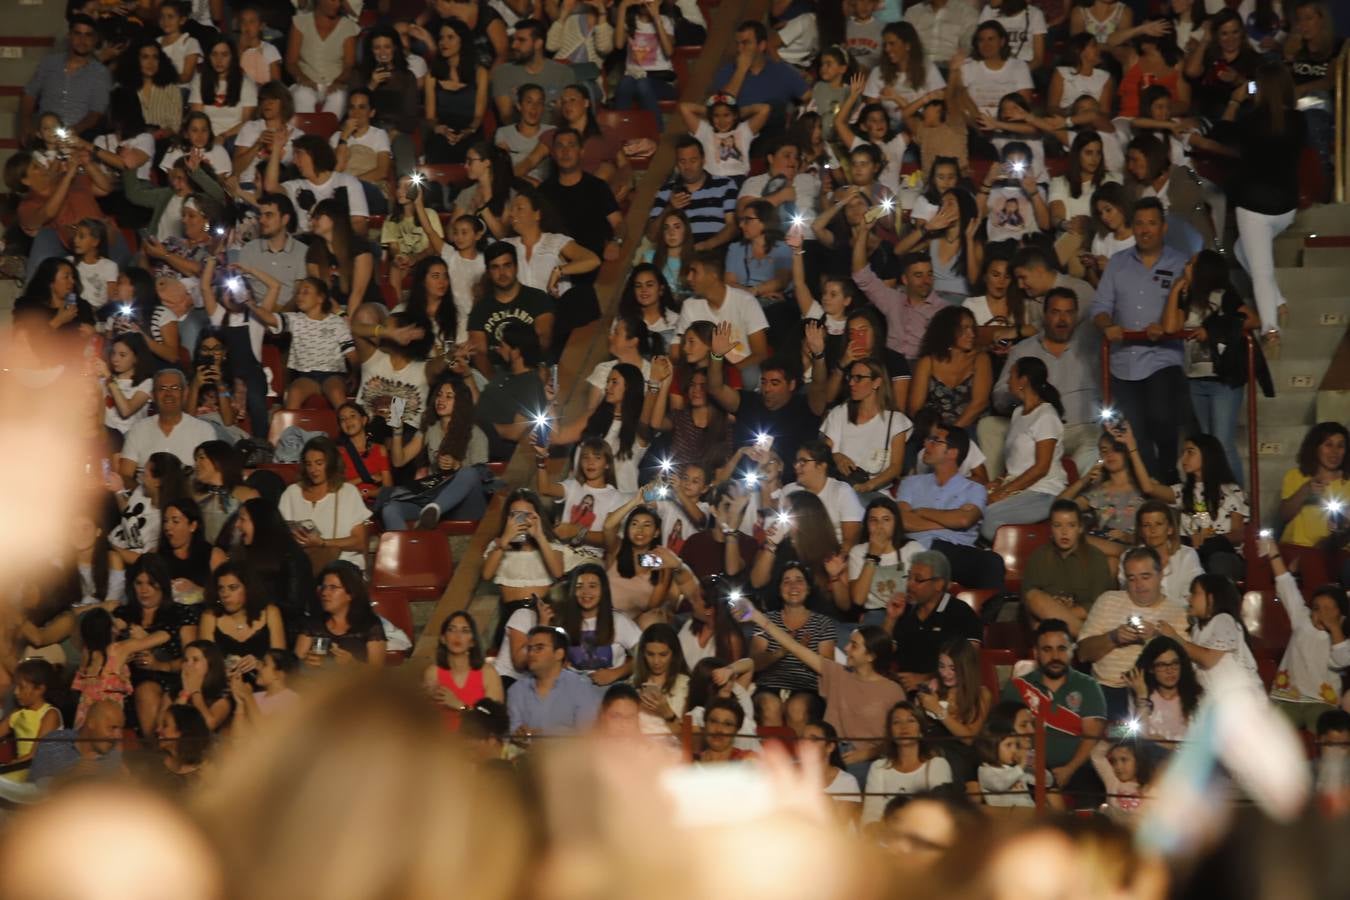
(812, 468)
(942, 510)
(73, 85)
(926, 618)
(171, 431)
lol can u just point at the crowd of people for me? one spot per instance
(861, 341)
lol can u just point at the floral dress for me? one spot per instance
(111, 682)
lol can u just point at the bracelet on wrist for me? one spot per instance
(872, 558)
(716, 356)
(818, 356)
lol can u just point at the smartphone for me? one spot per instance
(650, 560)
(542, 431)
(1136, 621)
(652, 494)
(305, 526)
(1251, 88)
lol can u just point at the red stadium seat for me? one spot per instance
(990, 659)
(497, 468)
(287, 472)
(322, 124)
(1012, 636)
(324, 420)
(453, 175)
(448, 527)
(622, 125)
(417, 564)
(780, 733)
(1070, 468)
(972, 598)
(1015, 543)
(393, 606)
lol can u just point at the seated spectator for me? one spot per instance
(184, 738)
(991, 72)
(260, 59)
(204, 686)
(93, 747)
(951, 376)
(739, 316)
(551, 261)
(600, 642)
(396, 373)
(662, 680)
(1307, 681)
(459, 677)
(1111, 492)
(270, 131)
(1064, 578)
(725, 129)
(1166, 692)
(908, 764)
(56, 287)
(151, 609)
(1121, 622)
(793, 193)
(69, 82)
(181, 47)
(185, 550)
(925, 617)
(347, 630)
(218, 482)
(528, 65)
(523, 561)
(812, 466)
(145, 69)
(1156, 525)
(908, 309)
(264, 544)
(1112, 232)
(919, 831)
(363, 149)
(456, 94)
(710, 632)
(878, 567)
(170, 430)
(1306, 496)
(273, 696)
(700, 429)
(1033, 451)
(755, 77)
(276, 251)
(33, 719)
(104, 671)
(619, 711)
(950, 242)
(841, 787)
(621, 420)
(454, 450)
(505, 300)
(865, 337)
(197, 141)
(222, 90)
(1037, 275)
(799, 533)
(1220, 61)
(646, 33)
(1207, 485)
(865, 457)
(708, 201)
(1076, 717)
(319, 180)
(1312, 46)
(941, 175)
(163, 478)
(639, 569)
(584, 201)
(1149, 173)
(1068, 347)
(430, 300)
(1217, 636)
(321, 344)
(320, 54)
(53, 199)
(326, 514)
(723, 720)
(942, 509)
(1081, 73)
(528, 138)
(720, 548)
(506, 405)
(760, 262)
(777, 668)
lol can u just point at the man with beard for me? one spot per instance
(528, 65)
(72, 84)
(1075, 715)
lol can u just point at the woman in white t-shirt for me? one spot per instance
(1033, 451)
(873, 127)
(259, 59)
(198, 138)
(589, 496)
(1071, 193)
(866, 436)
(1025, 25)
(726, 134)
(322, 509)
(616, 421)
(992, 73)
(878, 567)
(546, 260)
(1080, 75)
(125, 379)
(1217, 636)
(601, 643)
(907, 764)
(222, 90)
(1113, 232)
(904, 71)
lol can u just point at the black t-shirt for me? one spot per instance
(490, 314)
(501, 400)
(791, 426)
(917, 641)
(585, 208)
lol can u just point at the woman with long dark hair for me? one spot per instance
(150, 611)
(164, 478)
(456, 94)
(619, 422)
(146, 69)
(648, 298)
(364, 459)
(662, 680)
(672, 253)
(601, 642)
(952, 244)
(222, 90)
(1111, 492)
(340, 258)
(1213, 507)
(218, 485)
(1306, 494)
(903, 72)
(56, 286)
(951, 376)
(263, 543)
(1220, 63)
(710, 631)
(456, 452)
(1071, 195)
(700, 429)
(1217, 636)
(878, 567)
(800, 533)
(326, 514)
(1149, 58)
(1269, 136)
(346, 630)
(240, 620)
(430, 300)
(1165, 690)
(1080, 73)
(524, 561)
(187, 554)
(491, 185)
(639, 589)
(460, 677)
(1032, 450)
(394, 91)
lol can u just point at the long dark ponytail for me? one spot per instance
(1036, 374)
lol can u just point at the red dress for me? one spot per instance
(469, 694)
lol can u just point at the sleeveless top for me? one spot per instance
(469, 694)
(630, 596)
(255, 645)
(1101, 30)
(947, 277)
(218, 505)
(455, 107)
(950, 402)
(25, 724)
(111, 682)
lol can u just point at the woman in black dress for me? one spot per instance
(240, 621)
(151, 612)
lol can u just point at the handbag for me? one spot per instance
(322, 556)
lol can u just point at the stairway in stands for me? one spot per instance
(1313, 268)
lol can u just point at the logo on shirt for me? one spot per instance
(1074, 700)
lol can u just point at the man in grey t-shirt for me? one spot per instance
(528, 65)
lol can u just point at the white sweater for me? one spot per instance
(1311, 666)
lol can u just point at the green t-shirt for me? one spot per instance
(1079, 698)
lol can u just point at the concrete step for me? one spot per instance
(1324, 285)
(1331, 218)
(1326, 256)
(43, 18)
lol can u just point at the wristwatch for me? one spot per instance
(872, 558)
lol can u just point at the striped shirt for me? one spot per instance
(708, 206)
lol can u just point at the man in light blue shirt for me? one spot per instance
(551, 699)
(942, 510)
(1148, 382)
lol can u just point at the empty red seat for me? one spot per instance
(619, 126)
(450, 175)
(1015, 543)
(322, 124)
(1070, 468)
(975, 599)
(417, 564)
(324, 420)
(287, 472)
(990, 660)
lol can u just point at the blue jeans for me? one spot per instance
(462, 497)
(1217, 407)
(1025, 508)
(644, 93)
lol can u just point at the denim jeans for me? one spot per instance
(1026, 508)
(644, 93)
(462, 497)
(1217, 407)
(1256, 252)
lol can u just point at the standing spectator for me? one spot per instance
(327, 515)
(320, 52)
(1310, 54)
(528, 65)
(1147, 377)
(1121, 622)
(54, 199)
(1076, 717)
(1221, 61)
(753, 77)
(943, 26)
(72, 85)
(942, 509)
(709, 202)
(1269, 139)
(582, 34)
(584, 202)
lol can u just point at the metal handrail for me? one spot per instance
(1253, 470)
(1340, 108)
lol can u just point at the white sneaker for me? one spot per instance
(429, 517)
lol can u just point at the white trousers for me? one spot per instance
(307, 100)
(1256, 252)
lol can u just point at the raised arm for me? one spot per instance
(809, 658)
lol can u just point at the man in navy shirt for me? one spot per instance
(755, 78)
(708, 201)
(1147, 378)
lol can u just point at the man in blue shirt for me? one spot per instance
(1148, 382)
(755, 78)
(73, 85)
(943, 508)
(551, 699)
(708, 201)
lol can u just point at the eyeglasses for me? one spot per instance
(915, 580)
(744, 219)
(174, 388)
(934, 439)
(1167, 665)
(852, 379)
(806, 461)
